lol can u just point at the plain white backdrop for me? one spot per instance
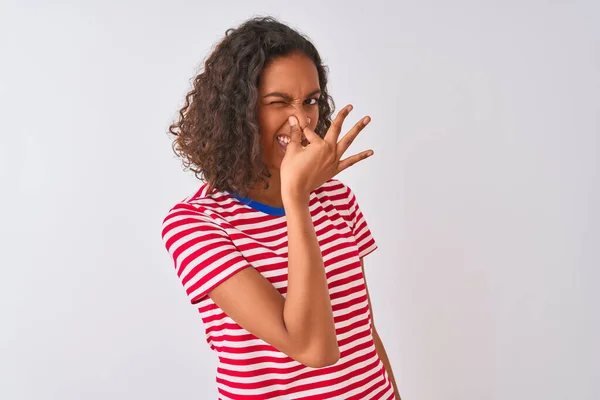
(483, 192)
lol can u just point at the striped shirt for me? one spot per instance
(213, 235)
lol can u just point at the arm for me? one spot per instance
(301, 324)
(308, 313)
(378, 344)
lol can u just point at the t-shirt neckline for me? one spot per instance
(264, 208)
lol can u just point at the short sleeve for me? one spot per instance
(364, 238)
(203, 254)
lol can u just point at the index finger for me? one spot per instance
(349, 137)
(333, 133)
(311, 135)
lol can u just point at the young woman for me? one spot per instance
(270, 248)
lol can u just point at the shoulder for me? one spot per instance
(337, 192)
(204, 207)
(334, 189)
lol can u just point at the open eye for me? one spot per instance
(316, 101)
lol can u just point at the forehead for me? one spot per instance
(291, 74)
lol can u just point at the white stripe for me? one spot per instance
(294, 375)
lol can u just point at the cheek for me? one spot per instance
(313, 113)
(268, 123)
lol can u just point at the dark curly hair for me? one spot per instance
(217, 132)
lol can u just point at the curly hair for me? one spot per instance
(217, 131)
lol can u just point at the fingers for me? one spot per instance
(350, 161)
(311, 135)
(349, 137)
(295, 134)
(336, 126)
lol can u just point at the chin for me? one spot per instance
(274, 163)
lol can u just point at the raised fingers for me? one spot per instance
(349, 137)
(336, 125)
(348, 162)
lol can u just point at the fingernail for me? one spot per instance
(308, 119)
(292, 121)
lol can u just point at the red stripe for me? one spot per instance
(288, 370)
(352, 372)
(363, 395)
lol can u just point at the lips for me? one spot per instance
(283, 140)
(283, 145)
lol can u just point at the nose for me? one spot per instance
(301, 116)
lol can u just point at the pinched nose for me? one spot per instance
(286, 132)
(302, 118)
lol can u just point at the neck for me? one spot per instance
(270, 196)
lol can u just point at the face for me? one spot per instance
(288, 86)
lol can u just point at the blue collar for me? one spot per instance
(275, 211)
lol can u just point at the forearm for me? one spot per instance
(307, 312)
(386, 362)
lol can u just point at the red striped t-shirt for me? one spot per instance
(213, 235)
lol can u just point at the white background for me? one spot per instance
(483, 192)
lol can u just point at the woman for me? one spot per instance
(270, 249)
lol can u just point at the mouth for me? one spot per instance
(284, 139)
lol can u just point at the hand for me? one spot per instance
(304, 169)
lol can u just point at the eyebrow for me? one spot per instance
(288, 97)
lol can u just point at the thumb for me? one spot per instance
(296, 134)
